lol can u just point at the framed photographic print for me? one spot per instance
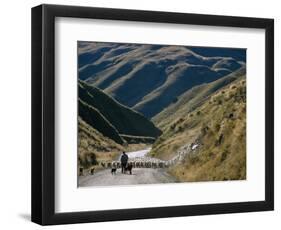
(142, 114)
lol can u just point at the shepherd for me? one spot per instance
(124, 161)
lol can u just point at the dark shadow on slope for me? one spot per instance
(139, 83)
(181, 81)
(125, 120)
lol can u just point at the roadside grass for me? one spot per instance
(94, 148)
(219, 125)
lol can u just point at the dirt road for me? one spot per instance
(139, 175)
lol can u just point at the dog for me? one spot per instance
(129, 168)
(113, 171)
(81, 171)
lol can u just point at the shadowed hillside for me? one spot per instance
(181, 78)
(95, 119)
(107, 115)
(106, 127)
(148, 78)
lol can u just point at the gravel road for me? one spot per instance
(139, 175)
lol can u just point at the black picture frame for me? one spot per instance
(43, 114)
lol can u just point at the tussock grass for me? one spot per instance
(94, 147)
(195, 97)
(220, 126)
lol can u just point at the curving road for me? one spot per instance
(139, 175)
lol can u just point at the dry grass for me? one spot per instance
(93, 147)
(220, 126)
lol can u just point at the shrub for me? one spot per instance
(217, 126)
(194, 159)
(211, 154)
(173, 126)
(87, 159)
(224, 156)
(179, 129)
(204, 129)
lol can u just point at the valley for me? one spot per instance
(187, 104)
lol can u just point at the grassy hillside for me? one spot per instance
(181, 78)
(220, 52)
(148, 78)
(138, 139)
(94, 118)
(219, 126)
(92, 145)
(193, 98)
(123, 119)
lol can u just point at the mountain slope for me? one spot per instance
(220, 52)
(92, 143)
(148, 78)
(124, 120)
(193, 98)
(218, 127)
(96, 120)
(181, 79)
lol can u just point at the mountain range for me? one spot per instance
(193, 98)
(149, 78)
(168, 97)
(111, 118)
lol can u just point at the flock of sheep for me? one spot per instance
(149, 162)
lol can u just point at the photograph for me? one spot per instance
(154, 113)
(142, 113)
